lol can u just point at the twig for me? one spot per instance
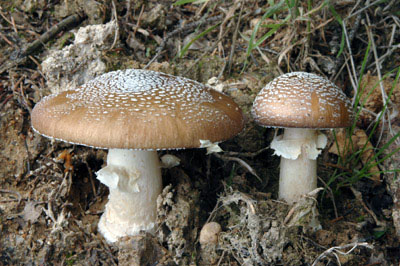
(108, 251)
(13, 25)
(12, 192)
(221, 258)
(331, 195)
(378, 66)
(362, 9)
(310, 195)
(28, 153)
(396, 20)
(241, 162)
(5, 101)
(358, 196)
(128, 10)
(349, 38)
(208, 49)
(313, 242)
(337, 249)
(115, 19)
(378, 70)
(52, 32)
(234, 39)
(39, 43)
(182, 30)
(200, 10)
(5, 39)
(23, 99)
(228, 16)
(390, 46)
(138, 21)
(91, 179)
(8, 21)
(247, 154)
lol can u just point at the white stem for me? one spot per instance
(298, 176)
(134, 180)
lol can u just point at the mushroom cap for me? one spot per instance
(302, 100)
(138, 109)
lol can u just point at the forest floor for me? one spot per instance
(50, 200)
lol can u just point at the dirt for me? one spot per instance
(51, 201)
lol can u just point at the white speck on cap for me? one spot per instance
(138, 109)
(302, 100)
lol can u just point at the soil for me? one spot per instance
(51, 201)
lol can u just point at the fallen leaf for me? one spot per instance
(31, 212)
(359, 140)
(374, 102)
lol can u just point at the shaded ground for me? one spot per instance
(50, 200)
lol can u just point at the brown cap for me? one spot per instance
(138, 109)
(302, 100)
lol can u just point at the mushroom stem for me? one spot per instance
(298, 176)
(134, 180)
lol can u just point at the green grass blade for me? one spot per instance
(187, 46)
(184, 2)
(251, 42)
(340, 21)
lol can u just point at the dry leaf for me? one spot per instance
(374, 102)
(66, 156)
(359, 139)
(31, 213)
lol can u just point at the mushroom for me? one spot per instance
(134, 113)
(301, 103)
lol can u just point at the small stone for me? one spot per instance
(209, 233)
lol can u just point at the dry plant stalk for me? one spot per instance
(336, 251)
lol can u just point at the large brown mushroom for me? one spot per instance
(302, 103)
(133, 113)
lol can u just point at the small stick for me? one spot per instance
(35, 61)
(247, 154)
(52, 32)
(39, 43)
(13, 24)
(335, 250)
(5, 39)
(234, 39)
(28, 153)
(241, 162)
(331, 196)
(183, 29)
(5, 100)
(91, 179)
(208, 49)
(12, 192)
(138, 21)
(358, 196)
(7, 20)
(115, 18)
(108, 251)
(363, 8)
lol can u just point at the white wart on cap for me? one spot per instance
(138, 109)
(301, 103)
